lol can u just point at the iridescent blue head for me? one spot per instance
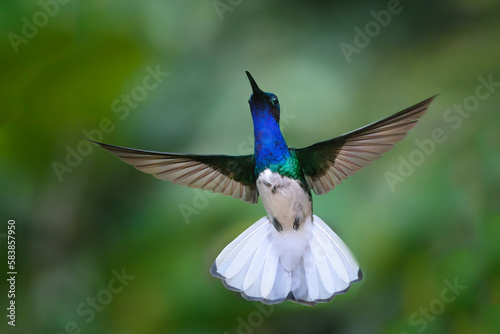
(271, 150)
(262, 102)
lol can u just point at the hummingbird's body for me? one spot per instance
(280, 182)
(290, 254)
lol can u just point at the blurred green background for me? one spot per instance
(67, 69)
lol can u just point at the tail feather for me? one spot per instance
(344, 253)
(238, 259)
(308, 266)
(257, 264)
(241, 240)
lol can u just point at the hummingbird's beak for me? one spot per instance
(257, 93)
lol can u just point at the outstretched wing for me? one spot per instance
(327, 163)
(228, 175)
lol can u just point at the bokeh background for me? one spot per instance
(83, 218)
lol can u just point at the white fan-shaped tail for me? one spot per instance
(307, 266)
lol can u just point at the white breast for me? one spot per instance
(283, 198)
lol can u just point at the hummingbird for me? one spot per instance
(289, 254)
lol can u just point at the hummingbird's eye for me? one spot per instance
(274, 101)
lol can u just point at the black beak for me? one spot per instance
(257, 93)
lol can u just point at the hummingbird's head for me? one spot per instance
(262, 102)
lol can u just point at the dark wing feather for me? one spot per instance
(327, 163)
(228, 175)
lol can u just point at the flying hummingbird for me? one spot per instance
(290, 254)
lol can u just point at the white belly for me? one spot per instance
(284, 199)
